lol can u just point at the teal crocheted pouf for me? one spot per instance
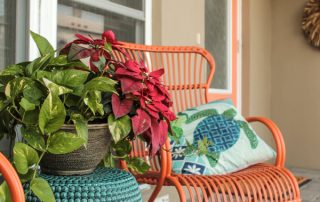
(103, 185)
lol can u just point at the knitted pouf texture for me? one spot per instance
(103, 185)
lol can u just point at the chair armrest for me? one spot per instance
(277, 136)
(12, 179)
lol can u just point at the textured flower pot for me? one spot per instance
(83, 160)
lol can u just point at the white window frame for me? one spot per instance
(43, 19)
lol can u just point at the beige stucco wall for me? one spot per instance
(174, 24)
(257, 61)
(295, 85)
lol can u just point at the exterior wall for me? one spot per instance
(256, 61)
(295, 85)
(174, 24)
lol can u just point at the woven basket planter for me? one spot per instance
(83, 160)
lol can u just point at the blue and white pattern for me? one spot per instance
(223, 133)
(193, 168)
(230, 142)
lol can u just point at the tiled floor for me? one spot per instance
(311, 191)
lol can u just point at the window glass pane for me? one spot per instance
(216, 40)
(78, 18)
(7, 30)
(7, 46)
(136, 4)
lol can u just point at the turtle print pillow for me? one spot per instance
(215, 139)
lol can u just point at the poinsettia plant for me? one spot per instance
(141, 102)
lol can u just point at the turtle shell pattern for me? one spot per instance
(221, 131)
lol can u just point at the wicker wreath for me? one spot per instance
(311, 22)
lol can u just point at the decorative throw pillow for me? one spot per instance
(215, 139)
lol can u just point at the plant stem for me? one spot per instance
(15, 116)
(37, 165)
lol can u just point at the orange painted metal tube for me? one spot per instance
(12, 179)
(277, 136)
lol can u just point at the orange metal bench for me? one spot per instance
(12, 179)
(189, 71)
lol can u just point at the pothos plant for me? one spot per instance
(85, 83)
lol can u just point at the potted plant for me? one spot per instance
(53, 101)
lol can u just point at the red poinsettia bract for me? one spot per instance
(153, 116)
(94, 48)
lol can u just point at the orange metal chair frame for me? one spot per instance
(12, 179)
(189, 71)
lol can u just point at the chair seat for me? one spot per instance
(261, 182)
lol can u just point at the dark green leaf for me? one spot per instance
(52, 114)
(24, 64)
(108, 161)
(81, 126)
(13, 70)
(119, 128)
(63, 142)
(5, 195)
(41, 188)
(62, 61)
(3, 104)
(72, 100)
(122, 148)
(26, 105)
(43, 44)
(93, 101)
(137, 164)
(15, 87)
(24, 156)
(102, 84)
(30, 117)
(34, 138)
(27, 177)
(10, 72)
(70, 78)
(7, 124)
(2, 87)
(38, 64)
(33, 93)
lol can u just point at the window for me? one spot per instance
(217, 39)
(221, 39)
(7, 30)
(124, 17)
(129, 19)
